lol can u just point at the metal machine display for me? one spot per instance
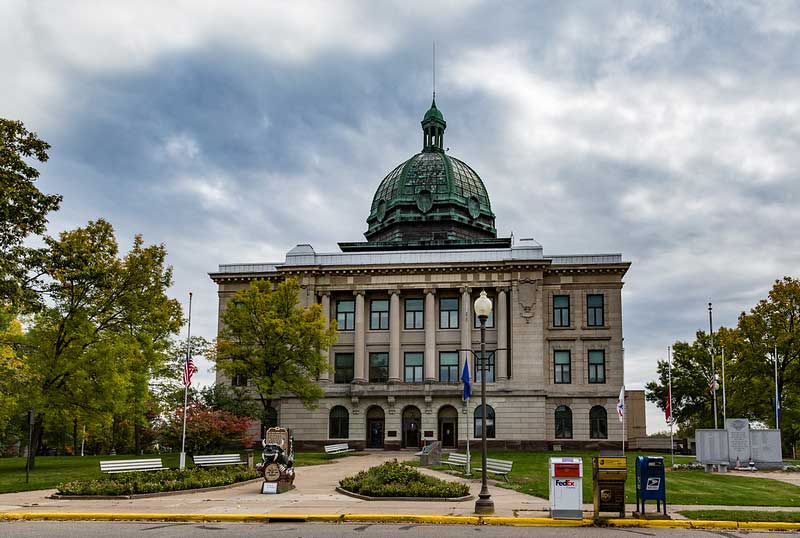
(277, 461)
(609, 474)
(566, 488)
(650, 482)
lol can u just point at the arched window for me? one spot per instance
(598, 422)
(563, 422)
(339, 423)
(489, 422)
(270, 421)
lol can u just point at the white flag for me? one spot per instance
(621, 403)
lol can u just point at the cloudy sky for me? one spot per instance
(668, 131)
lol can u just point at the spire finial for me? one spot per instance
(434, 71)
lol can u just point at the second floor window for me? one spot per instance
(413, 368)
(594, 310)
(346, 315)
(379, 314)
(448, 367)
(378, 367)
(448, 313)
(597, 366)
(415, 314)
(560, 310)
(562, 367)
(343, 368)
(239, 380)
(489, 368)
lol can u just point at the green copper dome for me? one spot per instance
(432, 198)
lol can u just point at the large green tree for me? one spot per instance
(105, 330)
(23, 210)
(276, 343)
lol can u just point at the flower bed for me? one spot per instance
(393, 479)
(158, 481)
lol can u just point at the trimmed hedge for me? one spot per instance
(393, 479)
(158, 481)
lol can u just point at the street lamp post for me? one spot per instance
(484, 504)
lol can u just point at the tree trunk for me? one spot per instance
(38, 434)
(75, 436)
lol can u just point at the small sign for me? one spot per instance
(269, 487)
(653, 484)
(565, 483)
(272, 472)
(391, 433)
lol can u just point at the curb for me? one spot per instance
(398, 518)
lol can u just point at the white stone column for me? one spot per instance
(394, 336)
(325, 300)
(359, 350)
(466, 330)
(501, 318)
(430, 334)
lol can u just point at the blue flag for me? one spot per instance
(465, 379)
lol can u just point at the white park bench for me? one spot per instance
(456, 460)
(218, 459)
(721, 465)
(341, 448)
(498, 467)
(130, 466)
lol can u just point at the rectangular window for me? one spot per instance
(597, 366)
(346, 315)
(489, 368)
(415, 313)
(379, 315)
(489, 318)
(560, 310)
(343, 368)
(448, 367)
(594, 310)
(448, 313)
(562, 367)
(378, 367)
(239, 380)
(412, 371)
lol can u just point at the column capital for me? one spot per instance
(429, 291)
(359, 292)
(323, 293)
(465, 289)
(504, 289)
(394, 291)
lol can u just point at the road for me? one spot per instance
(98, 529)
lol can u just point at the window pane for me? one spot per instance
(380, 305)
(345, 306)
(343, 368)
(449, 304)
(449, 358)
(414, 305)
(594, 300)
(413, 359)
(378, 367)
(561, 301)
(562, 357)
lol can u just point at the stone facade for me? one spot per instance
(411, 406)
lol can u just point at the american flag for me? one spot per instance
(189, 370)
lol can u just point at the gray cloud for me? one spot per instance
(666, 131)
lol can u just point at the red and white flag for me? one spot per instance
(668, 407)
(621, 403)
(189, 370)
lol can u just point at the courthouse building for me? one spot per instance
(403, 302)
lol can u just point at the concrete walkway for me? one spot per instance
(315, 494)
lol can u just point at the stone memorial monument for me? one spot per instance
(738, 440)
(766, 448)
(712, 446)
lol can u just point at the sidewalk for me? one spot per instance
(314, 494)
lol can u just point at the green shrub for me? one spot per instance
(158, 481)
(393, 479)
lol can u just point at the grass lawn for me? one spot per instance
(683, 487)
(742, 515)
(52, 470)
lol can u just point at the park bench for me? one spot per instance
(722, 465)
(498, 467)
(456, 460)
(341, 448)
(130, 466)
(218, 459)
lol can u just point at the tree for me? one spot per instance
(235, 400)
(105, 329)
(273, 341)
(692, 400)
(23, 209)
(207, 430)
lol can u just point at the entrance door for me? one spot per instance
(411, 425)
(448, 426)
(375, 427)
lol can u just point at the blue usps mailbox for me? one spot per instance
(650, 482)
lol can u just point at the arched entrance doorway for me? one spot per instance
(448, 426)
(375, 427)
(412, 421)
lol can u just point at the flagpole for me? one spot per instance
(671, 420)
(777, 401)
(713, 368)
(724, 398)
(182, 462)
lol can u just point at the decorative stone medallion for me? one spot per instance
(380, 212)
(424, 201)
(526, 292)
(474, 207)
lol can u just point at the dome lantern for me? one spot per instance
(433, 126)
